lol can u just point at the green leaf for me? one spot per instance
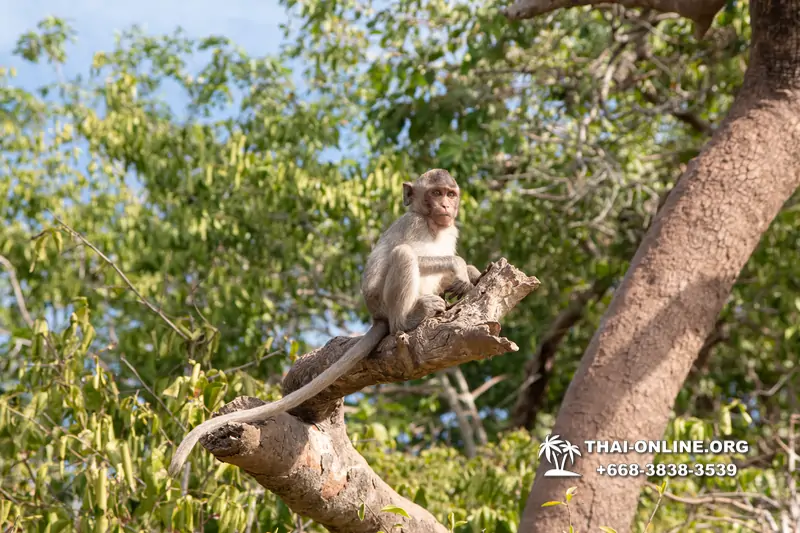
(725, 424)
(395, 510)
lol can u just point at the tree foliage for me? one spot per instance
(244, 217)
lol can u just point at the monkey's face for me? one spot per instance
(441, 204)
(435, 195)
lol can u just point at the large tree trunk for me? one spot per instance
(682, 273)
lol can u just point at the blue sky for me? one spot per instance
(252, 24)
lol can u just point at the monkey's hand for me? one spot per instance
(474, 274)
(463, 274)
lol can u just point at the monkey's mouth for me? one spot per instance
(443, 219)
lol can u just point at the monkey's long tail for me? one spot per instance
(362, 348)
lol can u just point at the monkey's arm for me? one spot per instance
(474, 274)
(446, 264)
(374, 272)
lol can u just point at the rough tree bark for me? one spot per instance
(306, 458)
(683, 271)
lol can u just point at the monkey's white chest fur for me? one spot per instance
(444, 244)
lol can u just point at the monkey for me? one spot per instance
(411, 266)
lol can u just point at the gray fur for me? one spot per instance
(436, 264)
(410, 266)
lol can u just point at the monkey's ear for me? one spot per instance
(408, 189)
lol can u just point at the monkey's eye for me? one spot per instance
(451, 194)
(437, 193)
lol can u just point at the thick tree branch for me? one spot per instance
(465, 332)
(701, 12)
(316, 471)
(306, 458)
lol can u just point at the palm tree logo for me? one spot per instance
(554, 447)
